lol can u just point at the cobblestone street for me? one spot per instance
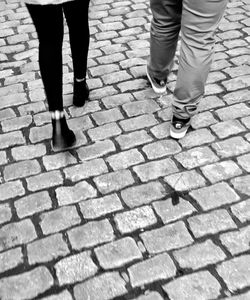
(102, 221)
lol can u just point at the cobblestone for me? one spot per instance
(242, 210)
(10, 259)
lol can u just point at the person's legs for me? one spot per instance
(165, 27)
(48, 20)
(200, 19)
(76, 14)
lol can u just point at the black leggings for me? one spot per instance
(48, 21)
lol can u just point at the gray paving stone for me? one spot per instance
(197, 138)
(133, 220)
(235, 272)
(11, 139)
(203, 119)
(215, 195)
(44, 180)
(28, 151)
(91, 234)
(241, 184)
(125, 159)
(166, 238)
(227, 128)
(32, 204)
(161, 148)
(76, 193)
(59, 160)
(47, 249)
(133, 139)
(211, 223)
(149, 295)
(106, 286)
(114, 181)
(199, 255)
(242, 210)
(169, 212)
(104, 132)
(118, 253)
(143, 194)
(75, 268)
(11, 259)
(237, 241)
(197, 286)
(21, 169)
(85, 170)
(65, 295)
(221, 171)
(5, 213)
(138, 122)
(59, 219)
(140, 107)
(153, 269)
(234, 111)
(27, 285)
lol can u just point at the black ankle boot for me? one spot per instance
(81, 93)
(62, 136)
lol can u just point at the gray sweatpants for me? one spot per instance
(197, 20)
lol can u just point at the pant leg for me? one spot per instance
(165, 27)
(76, 14)
(48, 21)
(200, 19)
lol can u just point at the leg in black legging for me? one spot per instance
(48, 20)
(76, 14)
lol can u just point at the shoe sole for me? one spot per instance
(178, 135)
(156, 89)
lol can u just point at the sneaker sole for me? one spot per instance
(156, 89)
(177, 135)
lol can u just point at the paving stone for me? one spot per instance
(118, 253)
(44, 180)
(233, 112)
(75, 268)
(221, 171)
(117, 100)
(5, 213)
(140, 107)
(21, 169)
(231, 147)
(94, 208)
(38, 134)
(185, 181)
(65, 295)
(241, 184)
(150, 295)
(196, 286)
(199, 255)
(133, 220)
(161, 148)
(47, 249)
(211, 223)
(28, 151)
(114, 181)
(32, 204)
(74, 194)
(125, 159)
(3, 158)
(235, 272)
(236, 83)
(106, 286)
(20, 122)
(237, 241)
(246, 121)
(16, 233)
(196, 157)
(227, 128)
(7, 113)
(59, 160)
(157, 268)
(143, 194)
(166, 238)
(161, 131)
(197, 138)
(12, 100)
(203, 119)
(91, 234)
(10, 259)
(86, 169)
(107, 116)
(169, 212)
(242, 210)
(237, 96)
(155, 169)
(139, 122)
(98, 149)
(215, 195)
(104, 132)
(59, 219)
(27, 285)
(11, 190)
(133, 139)
(11, 139)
